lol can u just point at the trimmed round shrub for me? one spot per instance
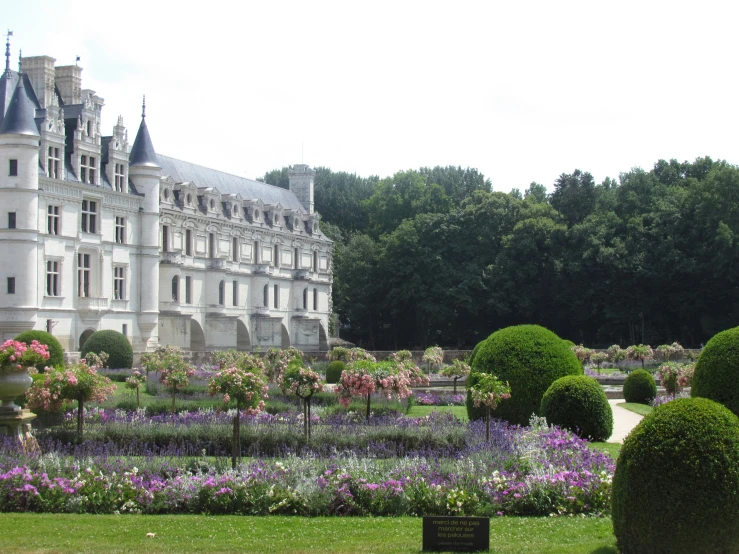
(530, 358)
(578, 403)
(639, 387)
(474, 352)
(56, 352)
(717, 370)
(333, 371)
(569, 343)
(114, 344)
(676, 481)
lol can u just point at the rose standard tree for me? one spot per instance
(458, 369)
(80, 382)
(276, 361)
(174, 370)
(489, 391)
(302, 382)
(433, 357)
(392, 377)
(244, 385)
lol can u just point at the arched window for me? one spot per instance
(265, 300)
(176, 288)
(305, 298)
(222, 293)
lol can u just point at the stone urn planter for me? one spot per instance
(12, 385)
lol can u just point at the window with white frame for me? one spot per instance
(89, 216)
(87, 169)
(53, 161)
(277, 256)
(120, 230)
(52, 278)
(119, 282)
(83, 275)
(119, 177)
(52, 220)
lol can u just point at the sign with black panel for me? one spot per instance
(456, 534)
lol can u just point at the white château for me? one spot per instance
(97, 233)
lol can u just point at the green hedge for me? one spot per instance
(333, 371)
(578, 403)
(530, 358)
(717, 370)
(114, 344)
(56, 352)
(676, 486)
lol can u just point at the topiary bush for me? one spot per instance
(473, 354)
(640, 387)
(333, 371)
(569, 343)
(676, 481)
(56, 352)
(716, 373)
(578, 403)
(113, 343)
(530, 358)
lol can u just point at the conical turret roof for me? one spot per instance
(19, 117)
(142, 152)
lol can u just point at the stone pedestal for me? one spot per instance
(17, 425)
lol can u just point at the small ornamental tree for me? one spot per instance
(457, 370)
(134, 382)
(488, 392)
(641, 352)
(276, 361)
(433, 357)
(598, 358)
(302, 382)
(674, 376)
(80, 382)
(616, 354)
(392, 377)
(247, 388)
(667, 351)
(583, 354)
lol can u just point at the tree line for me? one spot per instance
(434, 256)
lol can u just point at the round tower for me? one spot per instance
(145, 172)
(19, 162)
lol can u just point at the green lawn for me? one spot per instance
(422, 411)
(641, 409)
(610, 448)
(68, 533)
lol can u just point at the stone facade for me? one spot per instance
(97, 233)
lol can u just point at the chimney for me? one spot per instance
(40, 70)
(69, 83)
(302, 184)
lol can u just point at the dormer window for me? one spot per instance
(256, 214)
(119, 177)
(87, 169)
(189, 199)
(236, 210)
(89, 128)
(166, 195)
(212, 204)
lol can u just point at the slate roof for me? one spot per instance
(20, 112)
(228, 184)
(142, 151)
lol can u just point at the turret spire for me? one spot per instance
(142, 151)
(19, 117)
(20, 61)
(143, 108)
(7, 52)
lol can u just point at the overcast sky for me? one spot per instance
(523, 91)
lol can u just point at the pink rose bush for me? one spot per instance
(489, 391)
(302, 382)
(245, 385)
(174, 370)
(19, 356)
(80, 382)
(134, 382)
(433, 357)
(277, 359)
(674, 376)
(348, 355)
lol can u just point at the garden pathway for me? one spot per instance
(623, 420)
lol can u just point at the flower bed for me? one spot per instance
(438, 399)
(524, 471)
